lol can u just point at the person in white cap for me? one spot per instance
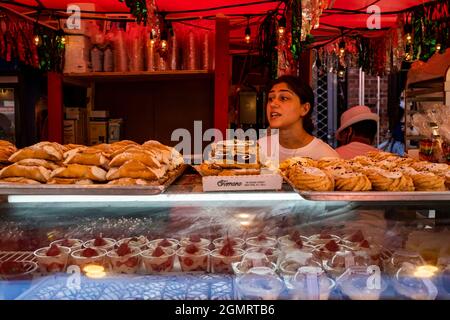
(357, 132)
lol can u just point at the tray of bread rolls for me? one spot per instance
(376, 176)
(121, 168)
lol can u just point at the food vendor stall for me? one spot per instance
(136, 218)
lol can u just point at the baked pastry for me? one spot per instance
(69, 181)
(447, 180)
(88, 156)
(42, 150)
(364, 160)
(428, 181)
(440, 169)
(135, 169)
(383, 180)
(346, 180)
(235, 154)
(79, 171)
(6, 150)
(30, 172)
(387, 164)
(18, 180)
(239, 172)
(206, 169)
(379, 155)
(304, 161)
(330, 162)
(310, 178)
(143, 156)
(133, 182)
(39, 163)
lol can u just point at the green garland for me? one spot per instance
(138, 8)
(50, 50)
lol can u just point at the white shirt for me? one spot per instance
(354, 149)
(270, 147)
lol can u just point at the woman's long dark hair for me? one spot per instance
(305, 94)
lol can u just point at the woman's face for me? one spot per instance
(284, 108)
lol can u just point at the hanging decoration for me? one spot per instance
(138, 8)
(30, 43)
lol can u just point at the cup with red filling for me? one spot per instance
(271, 253)
(261, 241)
(292, 239)
(73, 244)
(195, 240)
(136, 242)
(89, 256)
(158, 259)
(53, 258)
(235, 242)
(100, 243)
(125, 259)
(222, 259)
(323, 238)
(329, 249)
(164, 243)
(193, 258)
(252, 260)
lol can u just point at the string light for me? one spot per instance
(438, 47)
(281, 26)
(408, 38)
(342, 47)
(341, 72)
(248, 35)
(37, 40)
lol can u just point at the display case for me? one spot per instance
(235, 245)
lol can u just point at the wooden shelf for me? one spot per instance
(84, 79)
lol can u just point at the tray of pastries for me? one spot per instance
(376, 176)
(121, 168)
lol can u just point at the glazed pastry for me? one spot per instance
(379, 155)
(133, 182)
(78, 171)
(35, 173)
(89, 157)
(18, 180)
(135, 169)
(364, 160)
(312, 179)
(436, 168)
(351, 181)
(447, 180)
(239, 172)
(145, 157)
(43, 150)
(428, 181)
(304, 161)
(39, 163)
(330, 162)
(383, 180)
(69, 181)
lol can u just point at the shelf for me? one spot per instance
(84, 79)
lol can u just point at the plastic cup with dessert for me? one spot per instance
(408, 283)
(399, 257)
(311, 283)
(201, 242)
(321, 239)
(261, 241)
(358, 283)
(271, 252)
(163, 262)
(128, 263)
(259, 283)
(221, 263)
(344, 259)
(291, 261)
(73, 244)
(52, 263)
(288, 241)
(17, 270)
(137, 242)
(81, 259)
(108, 245)
(165, 243)
(235, 242)
(198, 261)
(252, 260)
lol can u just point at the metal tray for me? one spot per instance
(374, 196)
(94, 189)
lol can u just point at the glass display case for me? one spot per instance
(186, 244)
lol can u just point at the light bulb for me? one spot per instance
(281, 31)
(247, 38)
(408, 38)
(63, 40)
(341, 51)
(163, 44)
(438, 47)
(37, 40)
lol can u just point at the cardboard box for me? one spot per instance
(99, 114)
(114, 130)
(73, 113)
(98, 132)
(242, 183)
(70, 131)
